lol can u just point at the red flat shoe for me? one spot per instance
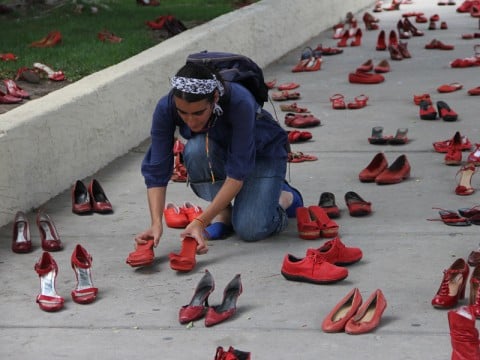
(374, 168)
(327, 51)
(360, 102)
(338, 102)
(366, 66)
(421, 19)
(445, 112)
(298, 156)
(192, 211)
(365, 78)
(382, 67)
(398, 171)
(342, 312)
(21, 241)
(356, 205)
(142, 256)
(100, 202)
(464, 186)
(48, 233)
(84, 292)
(451, 218)
(377, 137)
(452, 287)
(52, 75)
(427, 111)
(327, 203)
(53, 38)
(423, 97)
(228, 307)
(474, 91)
(174, 217)
(381, 43)
(307, 227)
(198, 305)
(313, 268)
(47, 270)
(328, 227)
(81, 203)
(368, 315)
(446, 88)
(285, 95)
(288, 86)
(335, 252)
(437, 44)
(185, 260)
(296, 136)
(301, 120)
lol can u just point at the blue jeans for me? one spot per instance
(256, 213)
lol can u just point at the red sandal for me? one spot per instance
(338, 102)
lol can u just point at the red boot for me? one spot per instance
(464, 335)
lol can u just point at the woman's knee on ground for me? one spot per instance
(251, 231)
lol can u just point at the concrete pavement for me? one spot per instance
(136, 313)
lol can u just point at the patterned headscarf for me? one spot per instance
(197, 86)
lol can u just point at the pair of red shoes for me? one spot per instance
(379, 172)
(454, 150)
(179, 217)
(199, 307)
(313, 222)
(378, 138)
(296, 136)
(453, 286)
(437, 44)
(53, 38)
(353, 316)
(92, 199)
(428, 112)
(322, 265)
(338, 102)
(47, 270)
(21, 240)
(301, 120)
(355, 204)
(14, 94)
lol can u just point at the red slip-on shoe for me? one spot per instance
(48, 233)
(231, 354)
(374, 168)
(356, 205)
(427, 111)
(174, 217)
(445, 112)
(446, 88)
(381, 42)
(142, 256)
(293, 107)
(474, 91)
(365, 78)
(301, 120)
(313, 268)
(395, 173)
(382, 67)
(21, 241)
(366, 66)
(81, 202)
(327, 203)
(100, 202)
(328, 227)
(228, 307)
(452, 287)
(464, 187)
(198, 305)
(191, 211)
(288, 86)
(342, 312)
(296, 136)
(338, 102)
(185, 260)
(368, 315)
(335, 252)
(81, 261)
(47, 270)
(308, 228)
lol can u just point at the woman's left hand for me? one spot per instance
(195, 229)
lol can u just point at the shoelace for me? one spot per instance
(447, 277)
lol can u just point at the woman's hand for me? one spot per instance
(153, 233)
(195, 229)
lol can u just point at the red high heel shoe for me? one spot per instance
(81, 261)
(15, 90)
(395, 5)
(48, 233)
(48, 299)
(357, 41)
(100, 202)
(198, 305)
(81, 203)
(452, 287)
(368, 315)
(53, 38)
(464, 186)
(343, 39)
(21, 242)
(392, 38)
(381, 43)
(185, 260)
(463, 334)
(228, 307)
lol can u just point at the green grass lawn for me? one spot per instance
(81, 52)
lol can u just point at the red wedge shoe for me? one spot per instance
(308, 228)
(328, 227)
(81, 261)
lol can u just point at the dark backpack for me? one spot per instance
(235, 68)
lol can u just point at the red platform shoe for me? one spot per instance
(142, 256)
(308, 228)
(452, 287)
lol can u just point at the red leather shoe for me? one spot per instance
(21, 241)
(47, 270)
(356, 205)
(288, 86)
(327, 203)
(174, 217)
(374, 168)
(328, 227)
(381, 43)
(84, 292)
(403, 32)
(437, 44)
(452, 287)
(465, 6)
(48, 233)
(198, 305)
(453, 156)
(446, 88)
(338, 102)
(463, 334)
(365, 78)
(366, 66)
(427, 111)
(14, 90)
(474, 156)
(382, 67)
(421, 19)
(313, 268)
(191, 211)
(231, 354)
(474, 299)
(398, 171)
(445, 112)
(142, 256)
(335, 252)
(9, 99)
(308, 228)
(336, 320)
(53, 38)
(185, 260)
(464, 186)
(370, 21)
(100, 202)
(81, 202)
(368, 315)
(412, 28)
(296, 136)
(228, 307)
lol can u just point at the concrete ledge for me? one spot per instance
(48, 143)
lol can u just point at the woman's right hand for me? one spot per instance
(153, 233)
